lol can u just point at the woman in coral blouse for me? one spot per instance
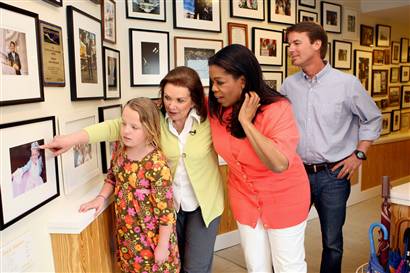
(254, 130)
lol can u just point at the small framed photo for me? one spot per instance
(107, 113)
(153, 10)
(350, 24)
(273, 79)
(252, 10)
(109, 21)
(405, 120)
(363, 68)
(404, 50)
(386, 121)
(112, 75)
(380, 79)
(267, 46)
(395, 120)
(383, 34)
(282, 11)
(308, 3)
(29, 176)
(342, 54)
(394, 74)
(310, 16)
(290, 68)
(58, 3)
(238, 34)
(149, 53)
(378, 57)
(331, 17)
(366, 35)
(394, 97)
(194, 53)
(198, 15)
(387, 56)
(395, 52)
(404, 73)
(328, 56)
(405, 96)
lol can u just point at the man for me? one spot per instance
(14, 58)
(338, 122)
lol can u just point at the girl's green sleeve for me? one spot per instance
(105, 131)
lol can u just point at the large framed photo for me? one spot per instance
(85, 54)
(386, 121)
(267, 46)
(109, 21)
(363, 68)
(395, 52)
(51, 37)
(331, 17)
(394, 75)
(394, 97)
(405, 96)
(342, 54)
(305, 15)
(366, 35)
(282, 11)
(273, 79)
(194, 53)
(29, 176)
(238, 34)
(153, 10)
(350, 24)
(112, 75)
(383, 34)
(404, 50)
(404, 73)
(290, 68)
(21, 67)
(253, 10)
(308, 3)
(149, 54)
(395, 124)
(204, 15)
(380, 79)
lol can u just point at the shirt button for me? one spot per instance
(183, 155)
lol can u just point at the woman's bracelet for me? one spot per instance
(100, 195)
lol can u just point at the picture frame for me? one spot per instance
(146, 10)
(267, 46)
(383, 34)
(109, 21)
(395, 123)
(106, 148)
(52, 53)
(378, 57)
(394, 97)
(405, 96)
(290, 68)
(29, 177)
(112, 75)
(194, 53)
(366, 35)
(405, 120)
(308, 3)
(363, 68)
(380, 78)
(282, 11)
(149, 56)
(238, 34)
(305, 15)
(342, 54)
(331, 17)
(395, 52)
(387, 56)
(404, 73)
(328, 56)
(204, 17)
(386, 123)
(85, 55)
(58, 3)
(350, 24)
(394, 74)
(240, 9)
(404, 50)
(21, 64)
(96, 1)
(273, 79)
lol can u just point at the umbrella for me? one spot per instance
(374, 265)
(396, 259)
(383, 244)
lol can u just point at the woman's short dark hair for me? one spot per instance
(186, 77)
(238, 61)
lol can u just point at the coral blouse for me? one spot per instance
(280, 200)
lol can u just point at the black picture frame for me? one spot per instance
(57, 3)
(386, 123)
(267, 46)
(257, 14)
(112, 73)
(395, 120)
(308, 3)
(331, 17)
(148, 11)
(380, 79)
(394, 97)
(404, 73)
(404, 50)
(273, 79)
(210, 22)
(363, 68)
(303, 13)
(366, 35)
(405, 96)
(342, 54)
(109, 21)
(394, 74)
(383, 35)
(395, 52)
(284, 14)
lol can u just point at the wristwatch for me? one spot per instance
(360, 155)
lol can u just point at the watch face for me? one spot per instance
(360, 154)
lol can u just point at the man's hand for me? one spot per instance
(350, 164)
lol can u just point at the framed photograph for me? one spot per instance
(395, 125)
(85, 54)
(366, 35)
(107, 113)
(394, 97)
(21, 67)
(395, 52)
(109, 21)
(29, 176)
(405, 120)
(81, 163)
(387, 56)
(112, 75)
(308, 3)
(252, 10)
(273, 79)
(194, 53)
(154, 10)
(204, 15)
(305, 15)
(282, 11)
(290, 68)
(149, 54)
(238, 34)
(328, 56)
(383, 34)
(386, 121)
(363, 68)
(267, 46)
(378, 57)
(331, 17)
(51, 38)
(342, 54)
(404, 50)
(405, 96)
(58, 3)
(380, 79)
(350, 24)
(404, 73)
(394, 74)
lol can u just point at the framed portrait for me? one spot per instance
(383, 34)
(395, 52)
(305, 15)
(267, 46)
(109, 21)
(404, 50)
(380, 80)
(290, 68)
(282, 11)
(21, 67)
(273, 79)
(51, 38)
(394, 97)
(331, 17)
(363, 68)
(342, 54)
(149, 53)
(252, 10)
(194, 53)
(80, 164)
(112, 75)
(29, 176)
(395, 117)
(378, 57)
(308, 3)
(386, 121)
(238, 34)
(203, 15)
(366, 35)
(154, 10)
(405, 96)
(85, 54)
(107, 113)
(328, 56)
(404, 73)
(350, 24)
(394, 74)
(58, 3)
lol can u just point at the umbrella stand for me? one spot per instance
(374, 264)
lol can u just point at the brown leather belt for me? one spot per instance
(315, 168)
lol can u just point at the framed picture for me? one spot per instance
(253, 10)
(328, 56)
(112, 75)
(109, 21)
(331, 17)
(96, 1)
(350, 24)
(81, 163)
(395, 52)
(58, 3)
(404, 73)
(282, 11)
(21, 67)
(51, 38)
(387, 56)
(194, 53)
(290, 68)
(383, 34)
(149, 54)
(342, 54)
(308, 3)
(29, 176)
(305, 15)
(107, 113)
(386, 121)
(405, 96)
(154, 10)
(380, 80)
(198, 15)
(85, 54)
(238, 34)
(394, 97)
(366, 35)
(363, 68)
(394, 74)
(405, 120)
(273, 79)
(378, 57)
(267, 46)
(404, 50)
(395, 126)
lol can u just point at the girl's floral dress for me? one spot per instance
(143, 202)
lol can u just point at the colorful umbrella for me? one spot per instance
(374, 265)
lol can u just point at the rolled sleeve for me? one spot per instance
(105, 131)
